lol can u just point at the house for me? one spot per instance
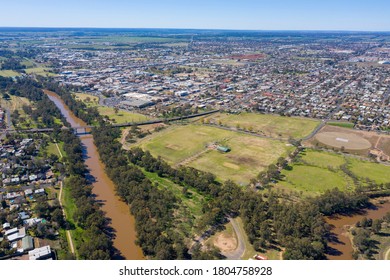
(27, 243)
(23, 216)
(41, 253)
(39, 191)
(6, 226)
(17, 235)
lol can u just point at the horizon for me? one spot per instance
(251, 15)
(197, 29)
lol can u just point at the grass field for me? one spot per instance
(342, 124)
(313, 180)
(364, 169)
(52, 149)
(42, 71)
(9, 73)
(93, 100)
(270, 125)
(322, 159)
(122, 116)
(317, 171)
(188, 145)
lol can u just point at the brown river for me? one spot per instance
(341, 224)
(117, 211)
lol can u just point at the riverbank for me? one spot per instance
(116, 211)
(342, 246)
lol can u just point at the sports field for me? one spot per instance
(350, 141)
(270, 125)
(189, 145)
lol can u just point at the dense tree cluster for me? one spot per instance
(45, 112)
(96, 241)
(88, 114)
(337, 202)
(12, 64)
(300, 228)
(152, 207)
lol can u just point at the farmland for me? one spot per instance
(189, 145)
(269, 125)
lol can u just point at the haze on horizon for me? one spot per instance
(351, 15)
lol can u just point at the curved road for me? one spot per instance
(239, 251)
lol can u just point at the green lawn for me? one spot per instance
(88, 99)
(313, 180)
(193, 201)
(271, 125)
(323, 159)
(9, 73)
(42, 71)
(52, 149)
(122, 116)
(188, 144)
(374, 171)
(342, 124)
(312, 175)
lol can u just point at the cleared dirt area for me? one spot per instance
(349, 141)
(354, 141)
(225, 243)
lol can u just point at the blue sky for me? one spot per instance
(370, 15)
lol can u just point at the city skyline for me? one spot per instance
(229, 15)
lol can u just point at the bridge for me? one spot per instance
(80, 130)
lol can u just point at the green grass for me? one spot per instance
(42, 71)
(9, 73)
(313, 180)
(188, 144)
(323, 159)
(193, 202)
(122, 116)
(93, 100)
(70, 208)
(52, 149)
(190, 206)
(342, 124)
(312, 176)
(374, 171)
(271, 125)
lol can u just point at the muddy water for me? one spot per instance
(342, 223)
(116, 210)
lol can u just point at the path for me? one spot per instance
(387, 255)
(191, 158)
(68, 234)
(239, 251)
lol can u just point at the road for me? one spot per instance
(387, 255)
(239, 251)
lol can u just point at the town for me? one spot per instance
(345, 79)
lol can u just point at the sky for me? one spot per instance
(354, 15)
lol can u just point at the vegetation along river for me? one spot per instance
(116, 210)
(341, 224)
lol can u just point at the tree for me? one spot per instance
(116, 110)
(376, 226)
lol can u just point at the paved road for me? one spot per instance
(239, 251)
